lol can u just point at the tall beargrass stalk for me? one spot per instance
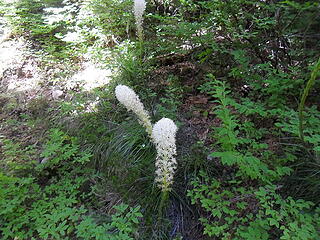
(162, 135)
(138, 10)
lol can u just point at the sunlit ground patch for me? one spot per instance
(91, 76)
(18, 73)
(9, 53)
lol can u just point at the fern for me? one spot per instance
(228, 138)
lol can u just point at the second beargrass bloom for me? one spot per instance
(138, 10)
(131, 101)
(164, 137)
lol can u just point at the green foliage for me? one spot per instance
(62, 149)
(289, 122)
(235, 211)
(229, 139)
(236, 208)
(123, 225)
(273, 85)
(307, 172)
(28, 20)
(56, 210)
(171, 100)
(244, 42)
(226, 134)
(27, 210)
(126, 224)
(16, 158)
(114, 17)
(132, 68)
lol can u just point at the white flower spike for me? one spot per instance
(131, 101)
(138, 10)
(164, 137)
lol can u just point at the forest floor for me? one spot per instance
(26, 91)
(20, 85)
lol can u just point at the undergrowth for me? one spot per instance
(54, 201)
(231, 74)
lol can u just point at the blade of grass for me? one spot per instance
(311, 81)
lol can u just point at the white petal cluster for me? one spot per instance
(164, 137)
(138, 10)
(131, 101)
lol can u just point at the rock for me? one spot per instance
(56, 94)
(44, 160)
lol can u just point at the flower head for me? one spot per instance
(138, 10)
(164, 137)
(131, 101)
